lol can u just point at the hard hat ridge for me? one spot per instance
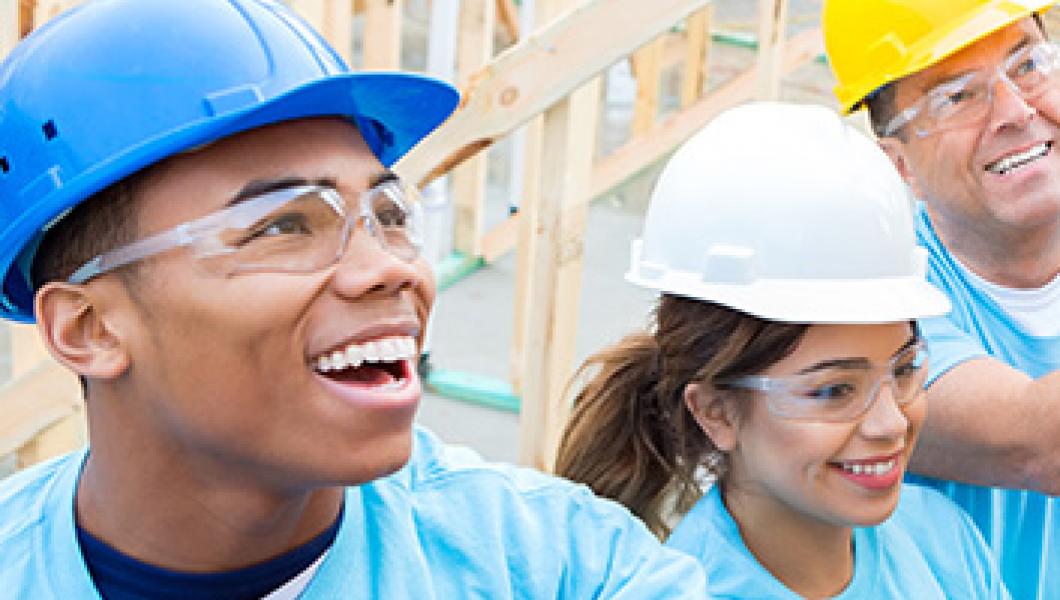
(114, 86)
(785, 212)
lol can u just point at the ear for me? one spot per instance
(713, 415)
(896, 150)
(75, 332)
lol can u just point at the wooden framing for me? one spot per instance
(46, 10)
(647, 67)
(382, 34)
(41, 414)
(539, 71)
(640, 152)
(772, 18)
(10, 25)
(508, 14)
(333, 19)
(468, 181)
(697, 47)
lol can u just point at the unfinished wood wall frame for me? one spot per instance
(333, 19)
(381, 47)
(560, 180)
(468, 181)
(772, 19)
(10, 25)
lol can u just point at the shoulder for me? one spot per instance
(23, 496)
(550, 530)
(26, 505)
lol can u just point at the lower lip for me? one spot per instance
(1025, 170)
(873, 481)
(403, 396)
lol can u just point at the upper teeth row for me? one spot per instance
(869, 469)
(1014, 160)
(381, 350)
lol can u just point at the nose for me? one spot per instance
(884, 419)
(1008, 107)
(367, 267)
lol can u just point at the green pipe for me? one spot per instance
(474, 389)
(456, 267)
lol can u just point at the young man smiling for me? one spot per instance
(197, 211)
(965, 98)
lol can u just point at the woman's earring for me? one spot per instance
(715, 463)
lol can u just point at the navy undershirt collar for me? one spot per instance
(118, 576)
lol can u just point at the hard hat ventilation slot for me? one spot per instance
(5, 167)
(50, 131)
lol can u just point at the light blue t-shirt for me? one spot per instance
(928, 549)
(447, 525)
(1021, 527)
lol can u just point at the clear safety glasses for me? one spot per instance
(292, 230)
(840, 391)
(1030, 72)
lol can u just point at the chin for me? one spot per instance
(873, 512)
(384, 456)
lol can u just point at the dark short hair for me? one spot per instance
(104, 221)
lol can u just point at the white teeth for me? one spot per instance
(338, 360)
(1013, 161)
(876, 469)
(354, 355)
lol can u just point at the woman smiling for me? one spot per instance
(784, 366)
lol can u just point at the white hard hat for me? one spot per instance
(787, 213)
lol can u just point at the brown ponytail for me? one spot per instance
(630, 437)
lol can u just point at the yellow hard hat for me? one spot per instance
(871, 43)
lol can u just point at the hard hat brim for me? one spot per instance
(406, 106)
(890, 300)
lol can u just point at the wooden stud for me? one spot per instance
(33, 404)
(647, 68)
(772, 18)
(46, 10)
(382, 34)
(697, 47)
(538, 72)
(333, 19)
(27, 351)
(10, 25)
(509, 17)
(474, 50)
(639, 153)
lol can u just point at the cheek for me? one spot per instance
(424, 291)
(915, 413)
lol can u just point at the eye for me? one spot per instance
(391, 216)
(906, 370)
(286, 224)
(832, 392)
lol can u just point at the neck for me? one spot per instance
(1011, 257)
(159, 508)
(810, 557)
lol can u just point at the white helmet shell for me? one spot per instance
(785, 212)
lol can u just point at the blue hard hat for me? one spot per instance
(114, 86)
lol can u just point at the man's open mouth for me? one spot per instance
(1008, 163)
(381, 362)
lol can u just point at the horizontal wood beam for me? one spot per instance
(639, 153)
(539, 71)
(33, 403)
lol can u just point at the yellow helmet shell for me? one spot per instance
(871, 43)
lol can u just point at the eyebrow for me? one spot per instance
(258, 187)
(855, 363)
(947, 78)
